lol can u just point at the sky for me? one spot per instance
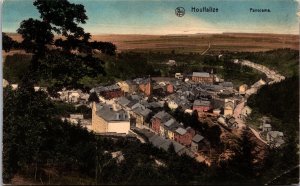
(158, 17)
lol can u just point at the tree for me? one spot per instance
(171, 149)
(93, 97)
(7, 42)
(213, 134)
(166, 107)
(36, 35)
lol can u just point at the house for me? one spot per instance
(170, 127)
(202, 77)
(197, 142)
(265, 119)
(228, 107)
(266, 127)
(109, 92)
(5, 83)
(123, 102)
(231, 123)
(242, 89)
(118, 155)
(144, 85)
(275, 138)
(217, 112)
(227, 85)
(171, 62)
(84, 97)
(178, 76)
(14, 86)
(169, 88)
(164, 144)
(37, 88)
(173, 104)
(246, 111)
(74, 118)
(105, 119)
(127, 86)
(139, 116)
(70, 96)
(202, 105)
(158, 119)
(184, 136)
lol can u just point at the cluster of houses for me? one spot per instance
(274, 138)
(140, 104)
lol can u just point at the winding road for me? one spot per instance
(276, 77)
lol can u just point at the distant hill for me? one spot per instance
(197, 42)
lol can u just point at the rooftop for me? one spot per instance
(200, 74)
(123, 101)
(275, 134)
(105, 88)
(108, 114)
(162, 115)
(142, 111)
(201, 103)
(181, 131)
(197, 138)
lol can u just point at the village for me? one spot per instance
(141, 108)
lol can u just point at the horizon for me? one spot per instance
(183, 34)
(134, 17)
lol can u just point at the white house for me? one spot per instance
(107, 120)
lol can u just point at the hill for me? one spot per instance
(198, 42)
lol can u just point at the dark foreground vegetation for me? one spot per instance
(281, 103)
(41, 147)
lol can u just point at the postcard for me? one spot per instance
(150, 92)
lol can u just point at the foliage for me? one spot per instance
(280, 100)
(8, 43)
(36, 35)
(128, 66)
(14, 67)
(57, 63)
(67, 70)
(93, 97)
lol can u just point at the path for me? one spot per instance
(206, 49)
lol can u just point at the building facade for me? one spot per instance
(202, 77)
(107, 120)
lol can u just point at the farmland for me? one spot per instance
(197, 43)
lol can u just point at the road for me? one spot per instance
(206, 49)
(276, 77)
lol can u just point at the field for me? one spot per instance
(198, 43)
